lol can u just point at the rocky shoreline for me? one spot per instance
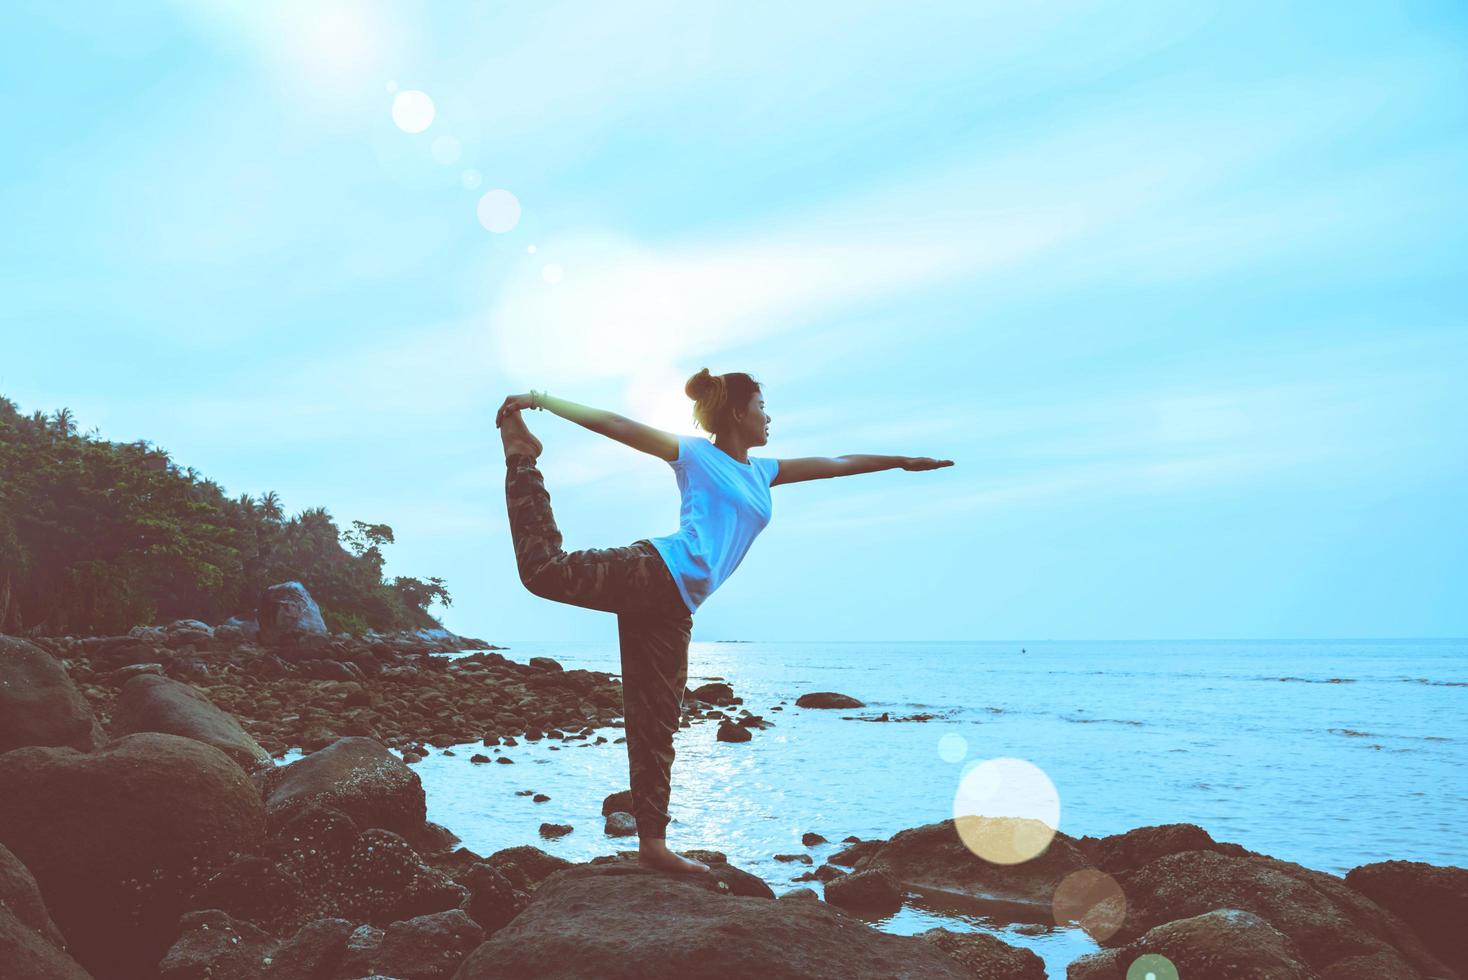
(147, 830)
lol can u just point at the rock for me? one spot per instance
(988, 957)
(214, 945)
(621, 800)
(801, 858)
(39, 705)
(617, 921)
(859, 851)
(621, 824)
(358, 776)
(494, 900)
(1328, 921)
(732, 733)
(540, 798)
(555, 829)
(312, 952)
(118, 838)
(934, 857)
(720, 694)
(810, 839)
(187, 632)
(119, 677)
(1123, 852)
(827, 699)
(238, 628)
(426, 947)
(1218, 944)
(287, 612)
(545, 663)
(149, 703)
(874, 890)
(1432, 900)
(800, 894)
(525, 866)
(30, 943)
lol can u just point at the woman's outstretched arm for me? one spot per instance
(825, 467)
(656, 442)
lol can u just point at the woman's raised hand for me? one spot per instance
(514, 403)
(924, 463)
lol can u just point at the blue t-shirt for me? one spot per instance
(726, 503)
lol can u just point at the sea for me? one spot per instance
(1328, 753)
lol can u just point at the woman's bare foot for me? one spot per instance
(517, 437)
(654, 853)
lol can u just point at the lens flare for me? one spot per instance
(1006, 810)
(1091, 899)
(1151, 966)
(952, 747)
(499, 211)
(413, 111)
(471, 179)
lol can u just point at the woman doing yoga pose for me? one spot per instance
(654, 585)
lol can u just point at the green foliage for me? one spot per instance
(97, 536)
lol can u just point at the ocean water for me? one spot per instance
(1327, 753)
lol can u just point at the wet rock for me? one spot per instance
(358, 776)
(720, 694)
(800, 858)
(149, 703)
(540, 798)
(493, 899)
(612, 920)
(118, 838)
(287, 612)
(1432, 900)
(312, 953)
(827, 699)
(555, 829)
(859, 851)
(545, 663)
(810, 838)
(619, 801)
(39, 705)
(729, 732)
(621, 824)
(1218, 944)
(874, 890)
(1124, 852)
(800, 895)
(426, 947)
(526, 866)
(987, 957)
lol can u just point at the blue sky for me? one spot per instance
(1179, 287)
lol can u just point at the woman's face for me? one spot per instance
(754, 424)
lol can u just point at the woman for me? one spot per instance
(656, 584)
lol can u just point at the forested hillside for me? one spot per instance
(98, 536)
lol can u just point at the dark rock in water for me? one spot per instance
(39, 705)
(288, 612)
(1217, 944)
(479, 758)
(30, 943)
(545, 663)
(618, 920)
(935, 857)
(1123, 852)
(857, 852)
(621, 825)
(540, 798)
(874, 890)
(1329, 922)
(988, 957)
(149, 703)
(526, 866)
(721, 694)
(118, 838)
(505, 760)
(555, 829)
(618, 801)
(810, 838)
(851, 839)
(794, 858)
(214, 945)
(1432, 900)
(827, 699)
(732, 733)
(355, 775)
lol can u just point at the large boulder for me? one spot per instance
(38, 703)
(1331, 924)
(287, 612)
(987, 957)
(1432, 900)
(828, 699)
(618, 920)
(118, 838)
(1134, 848)
(30, 943)
(150, 703)
(935, 858)
(1216, 945)
(355, 775)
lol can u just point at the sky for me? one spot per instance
(1179, 287)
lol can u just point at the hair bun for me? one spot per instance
(701, 385)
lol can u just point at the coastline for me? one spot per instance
(345, 702)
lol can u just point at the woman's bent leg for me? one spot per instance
(654, 676)
(628, 579)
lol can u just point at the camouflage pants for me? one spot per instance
(653, 629)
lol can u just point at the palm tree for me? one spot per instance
(65, 423)
(270, 507)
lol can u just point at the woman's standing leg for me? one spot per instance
(654, 676)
